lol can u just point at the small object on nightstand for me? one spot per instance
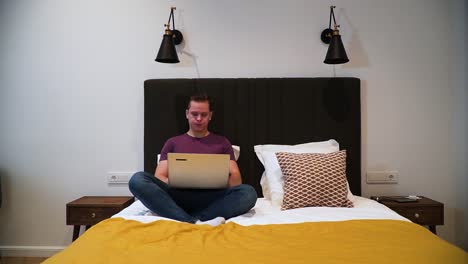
(404, 200)
(89, 210)
(398, 199)
(423, 211)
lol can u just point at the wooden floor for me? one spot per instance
(21, 260)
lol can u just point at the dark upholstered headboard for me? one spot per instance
(261, 111)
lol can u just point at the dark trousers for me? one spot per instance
(190, 205)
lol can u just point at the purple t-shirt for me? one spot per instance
(211, 144)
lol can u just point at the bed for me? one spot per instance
(294, 114)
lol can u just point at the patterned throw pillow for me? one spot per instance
(314, 179)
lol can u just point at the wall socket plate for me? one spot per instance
(382, 177)
(118, 177)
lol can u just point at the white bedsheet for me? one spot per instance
(265, 213)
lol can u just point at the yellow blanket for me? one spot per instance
(355, 241)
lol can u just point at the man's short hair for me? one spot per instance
(200, 97)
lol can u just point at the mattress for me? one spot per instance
(265, 213)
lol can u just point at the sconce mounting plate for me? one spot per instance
(326, 35)
(177, 36)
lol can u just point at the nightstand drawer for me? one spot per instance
(89, 215)
(424, 216)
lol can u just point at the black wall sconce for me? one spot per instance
(336, 53)
(167, 52)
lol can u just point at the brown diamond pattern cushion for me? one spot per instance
(314, 179)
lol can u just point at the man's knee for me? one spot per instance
(136, 180)
(252, 195)
(249, 195)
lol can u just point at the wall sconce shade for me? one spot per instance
(336, 53)
(167, 52)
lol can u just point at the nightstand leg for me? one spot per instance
(76, 232)
(433, 229)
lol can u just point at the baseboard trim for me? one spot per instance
(29, 251)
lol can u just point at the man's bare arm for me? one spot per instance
(234, 174)
(161, 171)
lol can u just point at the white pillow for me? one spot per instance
(312, 147)
(236, 151)
(234, 147)
(307, 147)
(272, 180)
(265, 188)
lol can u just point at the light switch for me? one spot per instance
(382, 177)
(118, 177)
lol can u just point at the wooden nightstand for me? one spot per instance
(89, 210)
(424, 211)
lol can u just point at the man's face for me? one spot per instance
(198, 116)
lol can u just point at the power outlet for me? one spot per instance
(118, 177)
(382, 177)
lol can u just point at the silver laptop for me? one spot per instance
(198, 171)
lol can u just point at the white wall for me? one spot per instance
(71, 98)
